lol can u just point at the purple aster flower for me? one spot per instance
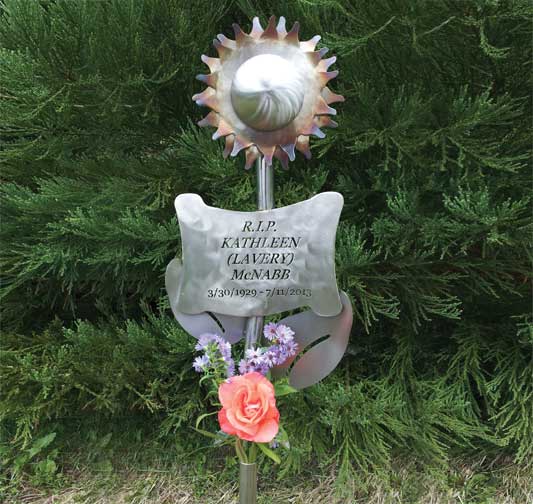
(203, 341)
(282, 356)
(244, 367)
(268, 357)
(225, 347)
(291, 347)
(216, 349)
(270, 331)
(200, 363)
(258, 365)
(277, 355)
(261, 367)
(262, 359)
(253, 353)
(284, 334)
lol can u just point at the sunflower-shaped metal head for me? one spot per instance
(268, 92)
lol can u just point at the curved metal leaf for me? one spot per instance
(323, 358)
(196, 325)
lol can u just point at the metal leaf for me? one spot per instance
(232, 327)
(322, 359)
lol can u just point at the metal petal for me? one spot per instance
(313, 129)
(289, 149)
(321, 107)
(226, 42)
(240, 36)
(317, 132)
(239, 145)
(230, 140)
(223, 52)
(302, 145)
(207, 98)
(325, 64)
(325, 77)
(314, 57)
(224, 129)
(251, 155)
(209, 79)
(210, 119)
(270, 31)
(219, 81)
(325, 121)
(309, 45)
(281, 28)
(213, 63)
(257, 29)
(281, 155)
(331, 97)
(292, 36)
(268, 153)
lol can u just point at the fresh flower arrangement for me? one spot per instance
(248, 415)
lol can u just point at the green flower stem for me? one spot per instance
(252, 454)
(240, 451)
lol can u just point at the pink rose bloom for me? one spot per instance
(248, 408)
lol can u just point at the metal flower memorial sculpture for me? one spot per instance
(268, 94)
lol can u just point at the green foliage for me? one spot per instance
(106, 369)
(432, 157)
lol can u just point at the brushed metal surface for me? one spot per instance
(247, 483)
(268, 92)
(265, 201)
(319, 361)
(231, 328)
(300, 245)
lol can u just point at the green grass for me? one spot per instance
(130, 467)
(484, 482)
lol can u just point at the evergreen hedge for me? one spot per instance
(433, 159)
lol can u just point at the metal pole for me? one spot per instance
(265, 185)
(247, 483)
(265, 201)
(254, 325)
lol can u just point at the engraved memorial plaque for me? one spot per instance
(259, 263)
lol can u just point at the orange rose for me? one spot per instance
(248, 408)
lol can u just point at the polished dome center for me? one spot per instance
(267, 92)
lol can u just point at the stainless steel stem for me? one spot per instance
(265, 184)
(265, 201)
(248, 483)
